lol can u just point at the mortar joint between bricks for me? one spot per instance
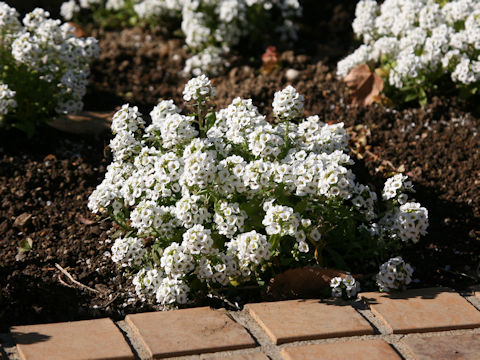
(266, 344)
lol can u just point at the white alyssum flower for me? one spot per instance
(395, 188)
(250, 249)
(191, 210)
(69, 9)
(288, 103)
(237, 121)
(49, 49)
(172, 291)
(418, 38)
(115, 5)
(208, 61)
(7, 100)
(212, 27)
(265, 142)
(347, 286)
(147, 281)
(198, 89)
(395, 274)
(221, 206)
(229, 218)
(128, 251)
(407, 223)
(197, 240)
(149, 217)
(176, 261)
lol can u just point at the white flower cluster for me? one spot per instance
(288, 103)
(209, 61)
(210, 27)
(395, 186)
(348, 284)
(283, 221)
(415, 38)
(394, 274)
(128, 251)
(220, 203)
(229, 219)
(70, 8)
(199, 88)
(251, 249)
(7, 100)
(49, 48)
(408, 222)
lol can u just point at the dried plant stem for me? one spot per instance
(70, 277)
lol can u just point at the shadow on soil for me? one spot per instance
(45, 302)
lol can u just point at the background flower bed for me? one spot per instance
(438, 147)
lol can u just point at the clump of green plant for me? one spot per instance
(210, 27)
(112, 14)
(221, 198)
(44, 68)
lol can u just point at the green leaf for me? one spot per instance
(411, 97)
(25, 245)
(210, 119)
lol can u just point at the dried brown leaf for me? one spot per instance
(88, 122)
(302, 282)
(85, 221)
(77, 30)
(364, 86)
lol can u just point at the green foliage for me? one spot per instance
(104, 18)
(35, 97)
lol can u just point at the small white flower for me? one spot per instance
(288, 104)
(394, 274)
(199, 88)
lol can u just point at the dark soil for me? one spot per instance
(45, 182)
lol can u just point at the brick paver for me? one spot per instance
(216, 334)
(451, 347)
(423, 310)
(358, 350)
(188, 331)
(247, 356)
(288, 321)
(80, 340)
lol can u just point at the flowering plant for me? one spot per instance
(210, 27)
(44, 68)
(214, 199)
(347, 286)
(419, 46)
(105, 13)
(395, 274)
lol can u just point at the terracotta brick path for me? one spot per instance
(435, 323)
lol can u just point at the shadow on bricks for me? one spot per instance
(411, 294)
(30, 338)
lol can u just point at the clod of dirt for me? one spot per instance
(22, 220)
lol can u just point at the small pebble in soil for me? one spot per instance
(291, 74)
